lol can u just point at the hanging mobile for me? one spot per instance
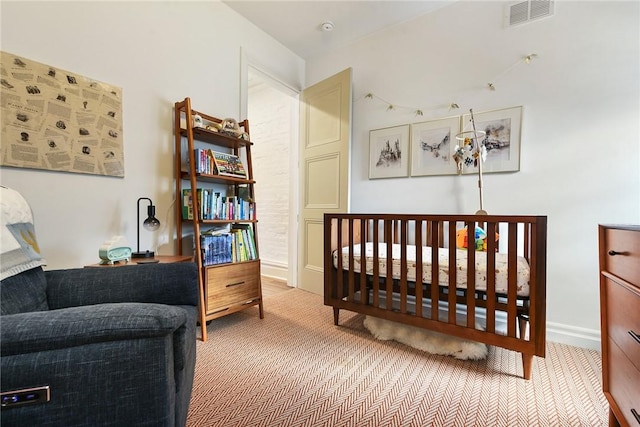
(477, 154)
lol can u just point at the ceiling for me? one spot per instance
(298, 24)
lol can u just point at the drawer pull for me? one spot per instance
(614, 253)
(235, 284)
(635, 336)
(635, 414)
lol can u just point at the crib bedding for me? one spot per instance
(501, 266)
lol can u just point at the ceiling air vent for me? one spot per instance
(526, 11)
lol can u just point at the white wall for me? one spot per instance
(159, 53)
(580, 160)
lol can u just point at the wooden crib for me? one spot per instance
(496, 296)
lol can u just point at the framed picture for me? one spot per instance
(502, 139)
(59, 120)
(389, 152)
(432, 144)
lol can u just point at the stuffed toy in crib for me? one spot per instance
(481, 239)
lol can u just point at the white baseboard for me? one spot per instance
(574, 335)
(274, 269)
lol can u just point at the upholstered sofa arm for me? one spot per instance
(173, 284)
(77, 326)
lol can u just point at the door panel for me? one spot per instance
(325, 169)
(313, 257)
(325, 113)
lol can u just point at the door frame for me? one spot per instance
(246, 63)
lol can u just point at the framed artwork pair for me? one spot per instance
(427, 148)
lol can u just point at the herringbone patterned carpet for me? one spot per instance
(295, 368)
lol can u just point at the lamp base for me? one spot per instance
(146, 254)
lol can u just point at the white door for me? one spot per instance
(325, 139)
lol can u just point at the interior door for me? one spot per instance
(325, 129)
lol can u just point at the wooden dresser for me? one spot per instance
(620, 321)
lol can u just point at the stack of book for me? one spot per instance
(211, 162)
(244, 240)
(215, 249)
(235, 245)
(213, 205)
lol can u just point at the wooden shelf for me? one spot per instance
(217, 178)
(225, 288)
(216, 138)
(223, 221)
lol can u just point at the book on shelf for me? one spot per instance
(227, 164)
(187, 204)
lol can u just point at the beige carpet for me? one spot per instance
(295, 368)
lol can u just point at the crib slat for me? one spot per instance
(453, 272)
(512, 279)
(350, 280)
(388, 235)
(418, 242)
(435, 270)
(376, 263)
(471, 274)
(491, 278)
(403, 266)
(339, 282)
(364, 297)
(527, 242)
(396, 230)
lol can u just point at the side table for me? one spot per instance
(163, 259)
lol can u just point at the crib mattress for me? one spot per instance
(443, 266)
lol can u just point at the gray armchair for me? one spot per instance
(92, 346)
(115, 346)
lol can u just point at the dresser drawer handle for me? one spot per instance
(614, 253)
(242, 283)
(635, 336)
(635, 414)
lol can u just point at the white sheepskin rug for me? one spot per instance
(424, 339)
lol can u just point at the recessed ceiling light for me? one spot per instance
(327, 26)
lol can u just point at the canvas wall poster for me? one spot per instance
(58, 120)
(389, 152)
(431, 147)
(501, 140)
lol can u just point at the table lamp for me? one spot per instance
(150, 224)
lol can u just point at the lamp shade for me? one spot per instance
(151, 223)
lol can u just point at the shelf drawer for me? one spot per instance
(231, 284)
(624, 383)
(625, 263)
(623, 319)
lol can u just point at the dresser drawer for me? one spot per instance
(624, 383)
(231, 284)
(625, 258)
(623, 319)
